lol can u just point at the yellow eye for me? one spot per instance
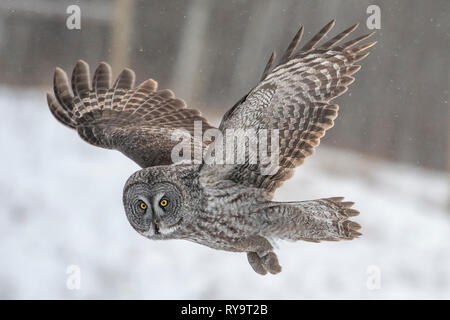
(143, 205)
(163, 203)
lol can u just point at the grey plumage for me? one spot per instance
(226, 207)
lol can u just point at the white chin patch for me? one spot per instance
(168, 230)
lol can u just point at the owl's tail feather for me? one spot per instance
(314, 220)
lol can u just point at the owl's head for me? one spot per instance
(153, 204)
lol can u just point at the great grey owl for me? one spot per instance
(223, 206)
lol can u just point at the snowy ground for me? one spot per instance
(60, 205)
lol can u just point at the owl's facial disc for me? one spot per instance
(153, 211)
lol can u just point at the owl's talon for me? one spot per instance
(270, 263)
(264, 264)
(255, 262)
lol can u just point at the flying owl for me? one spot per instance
(222, 206)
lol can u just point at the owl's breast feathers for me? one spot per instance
(224, 215)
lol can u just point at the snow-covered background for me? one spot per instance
(60, 205)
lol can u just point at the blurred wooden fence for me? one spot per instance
(212, 52)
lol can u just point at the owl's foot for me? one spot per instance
(264, 263)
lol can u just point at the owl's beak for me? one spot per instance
(155, 225)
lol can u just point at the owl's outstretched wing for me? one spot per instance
(295, 99)
(138, 121)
